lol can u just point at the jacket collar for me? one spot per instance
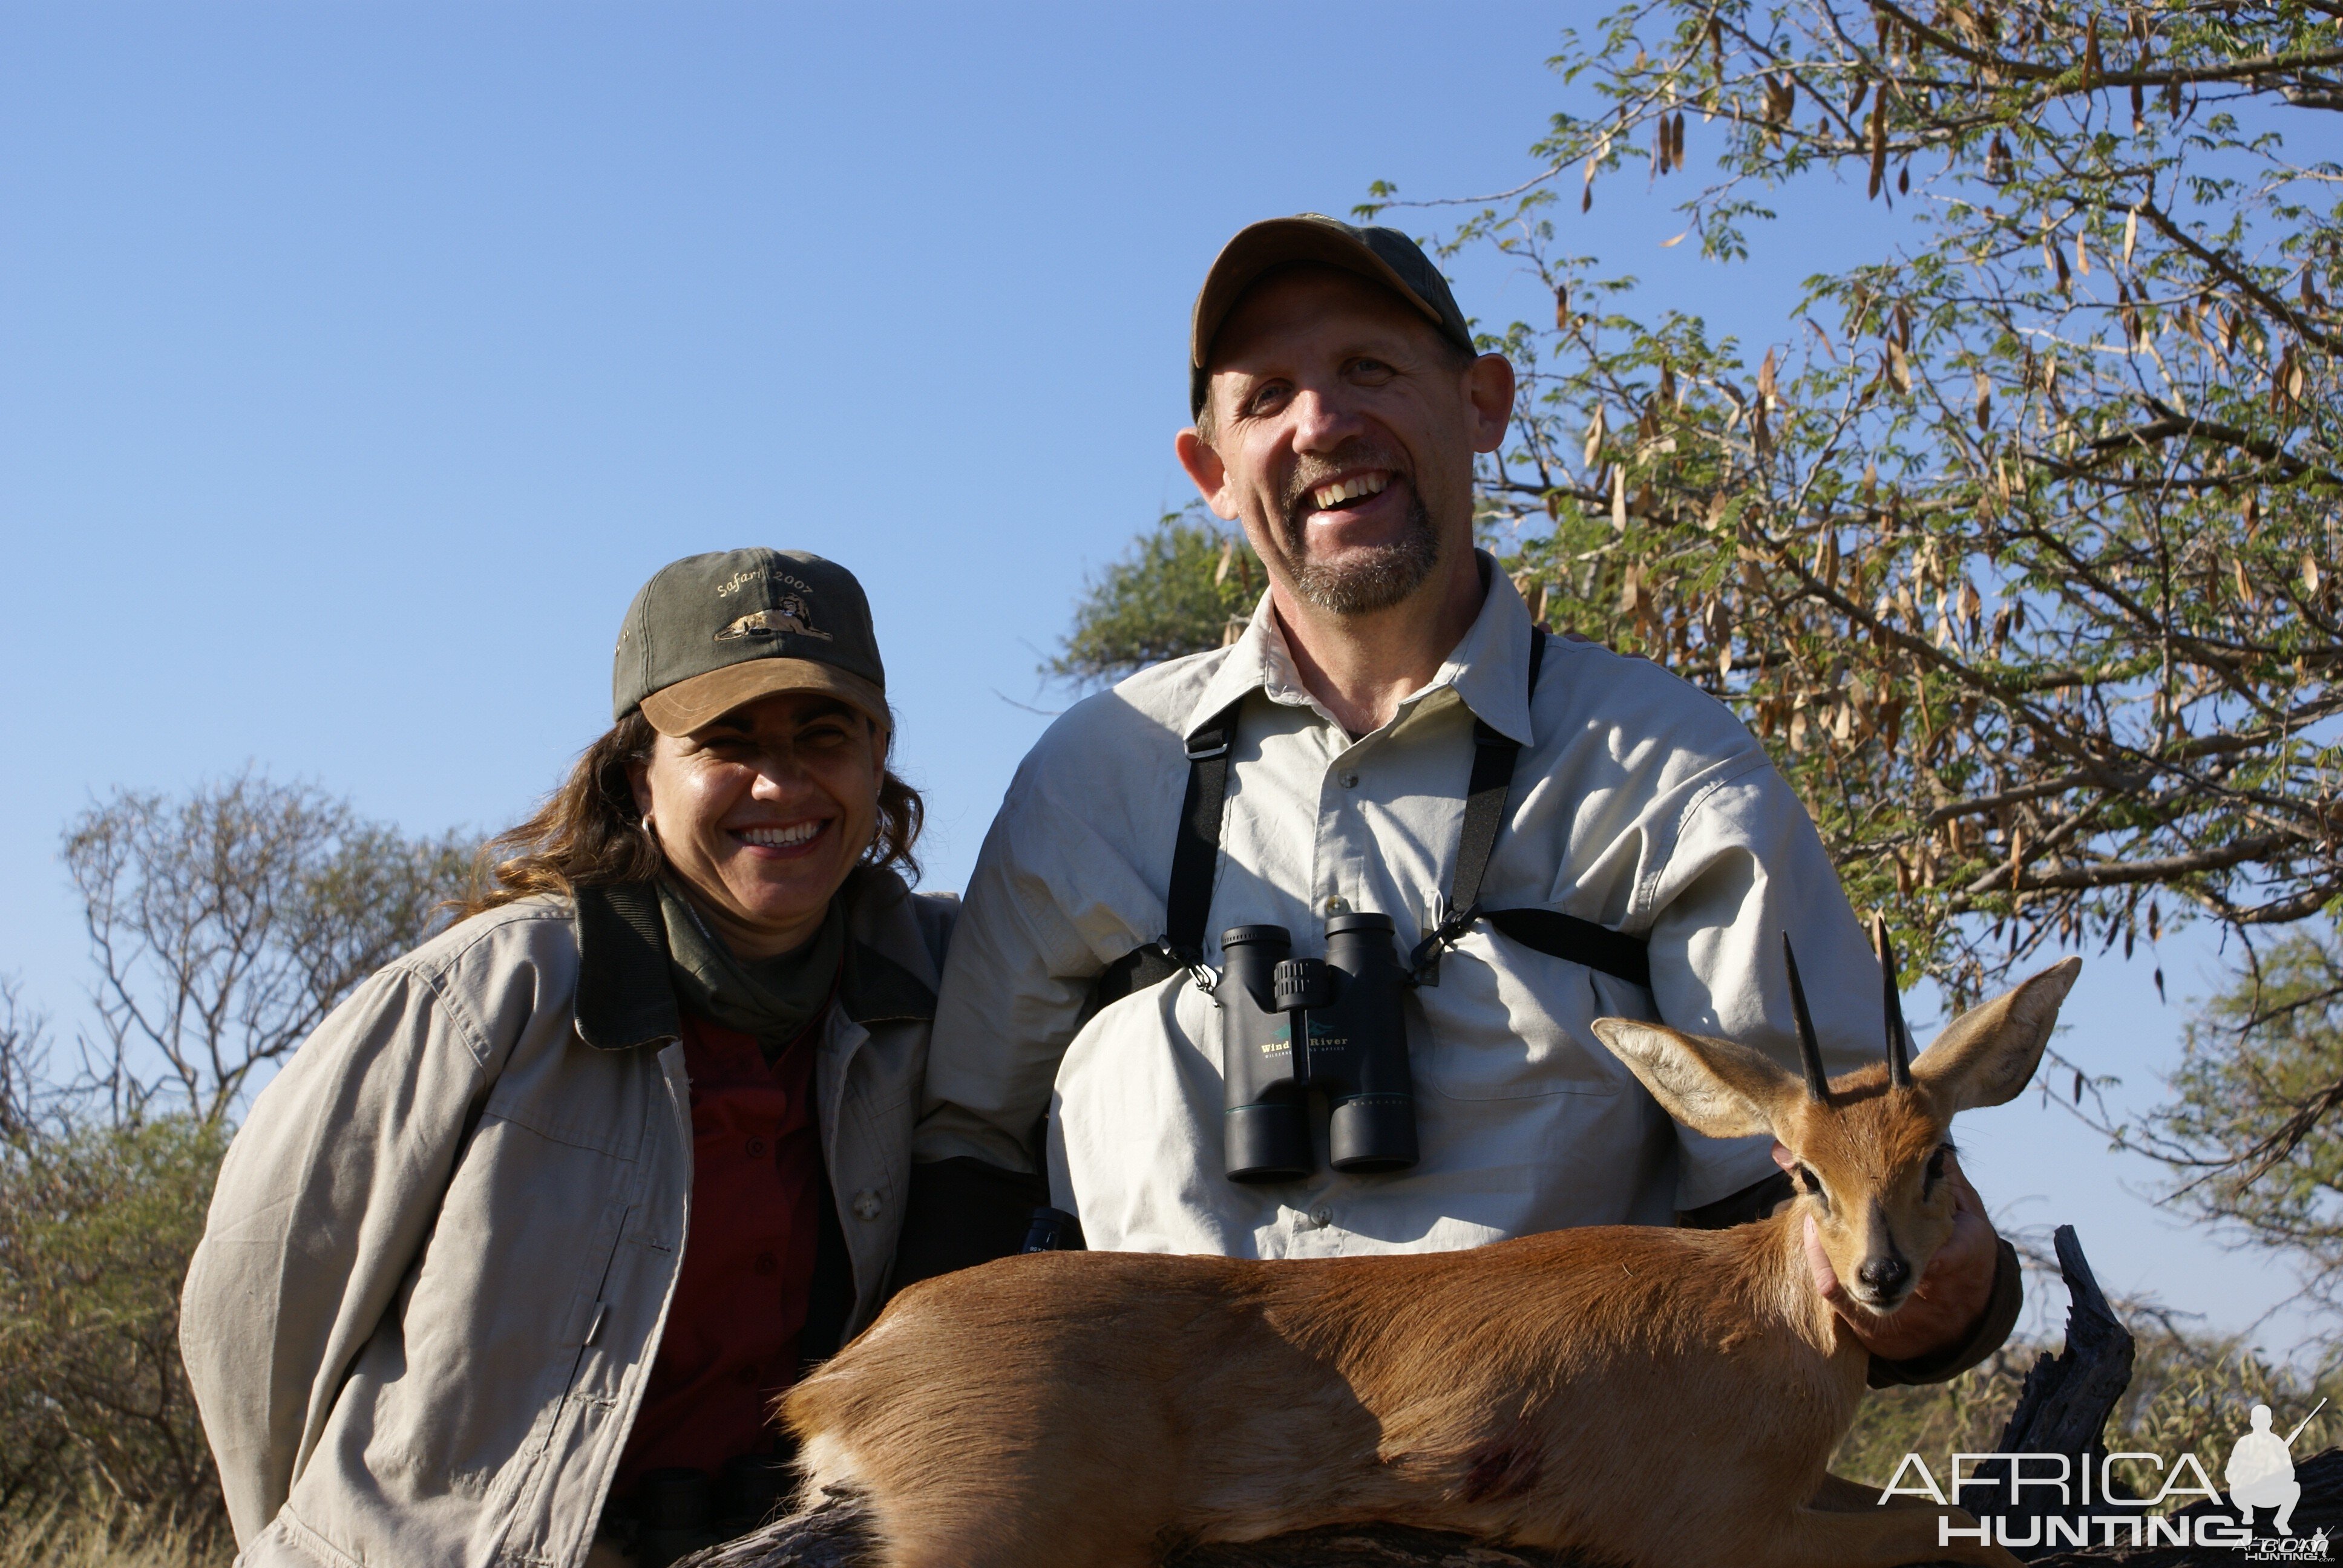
(624, 996)
(890, 975)
(626, 999)
(875, 988)
(1488, 671)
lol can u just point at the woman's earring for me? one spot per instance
(650, 831)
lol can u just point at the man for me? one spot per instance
(1322, 766)
(2260, 1473)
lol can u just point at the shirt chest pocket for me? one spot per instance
(1508, 1023)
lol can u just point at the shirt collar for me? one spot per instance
(1488, 669)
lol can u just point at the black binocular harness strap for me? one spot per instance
(1196, 852)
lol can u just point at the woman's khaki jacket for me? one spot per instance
(443, 1244)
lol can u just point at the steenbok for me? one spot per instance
(1640, 1395)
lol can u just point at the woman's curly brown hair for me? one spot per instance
(590, 834)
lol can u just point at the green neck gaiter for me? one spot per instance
(771, 999)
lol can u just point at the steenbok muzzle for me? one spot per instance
(1641, 1396)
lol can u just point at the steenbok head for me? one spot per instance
(1866, 1150)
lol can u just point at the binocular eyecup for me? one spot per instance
(1336, 1025)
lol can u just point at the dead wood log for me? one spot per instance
(2065, 1402)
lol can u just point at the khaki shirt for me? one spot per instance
(441, 1250)
(1637, 803)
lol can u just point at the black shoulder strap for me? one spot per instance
(1561, 936)
(1138, 969)
(1493, 756)
(1196, 855)
(1546, 931)
(1494, 753)
(1196, 852)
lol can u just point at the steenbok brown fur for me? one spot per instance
(1640, 1395)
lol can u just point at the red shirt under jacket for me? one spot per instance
(741, 1295)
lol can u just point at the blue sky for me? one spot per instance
(358, 361)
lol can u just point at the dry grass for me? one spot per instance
(1933, 1419)
(116, 1539)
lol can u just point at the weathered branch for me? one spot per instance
(2123, 873)
(2170, 423)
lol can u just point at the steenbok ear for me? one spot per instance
(1989, 1052)
(1712, 1086)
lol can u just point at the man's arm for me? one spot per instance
(1052, 904)
(961, 1212)
(1010, 1003)
(1751, 1203)
(1748, 867)
(1035, 933)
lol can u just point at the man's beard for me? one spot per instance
(1368, 577)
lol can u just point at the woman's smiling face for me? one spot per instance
(763, 812)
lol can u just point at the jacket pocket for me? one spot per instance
(492, 1330)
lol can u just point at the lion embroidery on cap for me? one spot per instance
(790, 616)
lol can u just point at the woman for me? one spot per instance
(509, 1262)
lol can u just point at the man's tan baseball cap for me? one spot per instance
(711, 632)
(1381, 256)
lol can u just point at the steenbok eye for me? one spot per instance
(1935, 1173)
(1813, 1184)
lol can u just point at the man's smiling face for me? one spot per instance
(1340, 428)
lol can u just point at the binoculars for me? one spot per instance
(1334, 1025)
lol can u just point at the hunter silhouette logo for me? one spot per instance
(791, 616)
(2260, 1472)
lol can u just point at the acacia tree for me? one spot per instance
(98, 1221)
(1185, 586)
(223, 924)
(2019, 549)
(226, 924)
(2251, 1129)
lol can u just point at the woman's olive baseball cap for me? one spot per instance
(711, 632)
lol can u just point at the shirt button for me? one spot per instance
(1322, 1216)
(1349, 780)
(766, 1263)
(1337, 903)
(867, 1205)
(756, 1149)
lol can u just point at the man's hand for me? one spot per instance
(1952, 1295)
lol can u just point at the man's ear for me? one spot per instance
(1988, 1053)
(1489, 383)
(1712, 1086)
(1210, 475)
